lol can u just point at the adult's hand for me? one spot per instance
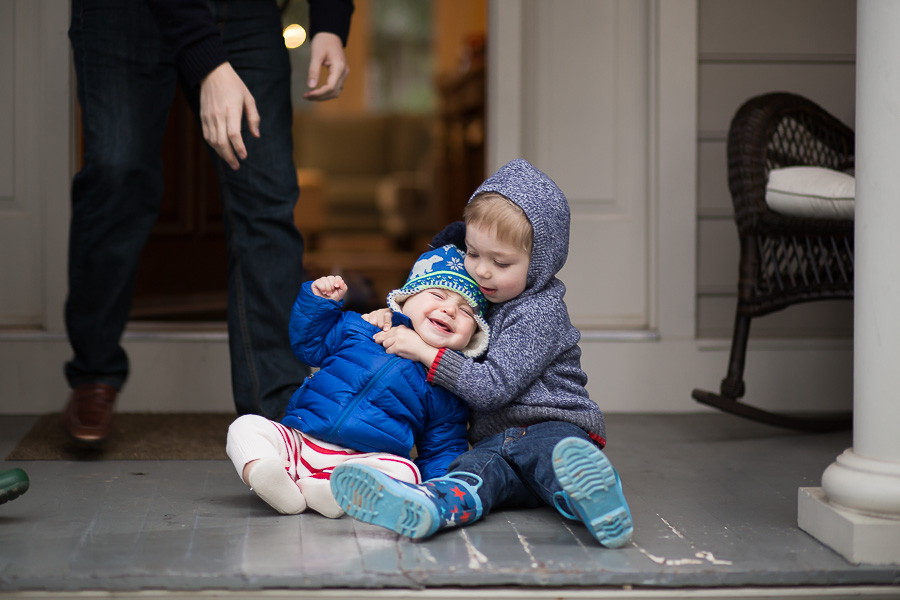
(224, 100)
(326, 50)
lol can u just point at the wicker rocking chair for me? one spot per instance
(784, 259)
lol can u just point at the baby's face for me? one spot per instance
(442, 318)
(499, 268)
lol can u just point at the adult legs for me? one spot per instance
(125, 88)
(265, 249)
(125, 92)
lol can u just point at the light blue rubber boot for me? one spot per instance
(592, 492)
(414, 511)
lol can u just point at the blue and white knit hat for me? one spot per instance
(444, 268)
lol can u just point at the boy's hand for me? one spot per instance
(331, 287)
(380, 318)
(406, 343)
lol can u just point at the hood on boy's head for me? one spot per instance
(545, 206)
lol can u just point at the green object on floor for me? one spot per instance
(13, 483)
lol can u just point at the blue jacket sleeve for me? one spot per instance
(444, 435)
(313, 326)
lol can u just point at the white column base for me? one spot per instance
(858, 538)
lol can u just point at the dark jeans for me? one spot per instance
(126, 82)
(516, 465)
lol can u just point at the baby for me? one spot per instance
(364, 405)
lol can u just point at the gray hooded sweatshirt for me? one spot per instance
(531, 372)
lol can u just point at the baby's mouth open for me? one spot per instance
(442, 326)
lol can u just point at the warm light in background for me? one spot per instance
(294, 36)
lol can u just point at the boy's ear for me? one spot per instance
(454, 233)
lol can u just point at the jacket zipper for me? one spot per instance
(359, 397)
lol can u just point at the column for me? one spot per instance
(857, 510)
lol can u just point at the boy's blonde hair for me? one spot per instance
(491, 210)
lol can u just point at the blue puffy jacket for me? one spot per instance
(364, 398)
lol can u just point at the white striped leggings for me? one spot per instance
(307, 460)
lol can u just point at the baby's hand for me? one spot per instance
(331, 287)
(380, 318)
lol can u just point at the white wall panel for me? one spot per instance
(21, 264)
(561, 138)
(584, 120)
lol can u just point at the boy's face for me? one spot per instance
(499, 268)
(442, 318)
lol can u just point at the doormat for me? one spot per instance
(135, 436)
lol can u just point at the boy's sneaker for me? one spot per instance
(592, 491)
(13, 483)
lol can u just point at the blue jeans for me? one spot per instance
(516, 465)
(126, 83)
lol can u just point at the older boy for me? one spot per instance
(536, 434)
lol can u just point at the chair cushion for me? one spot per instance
(811, 192)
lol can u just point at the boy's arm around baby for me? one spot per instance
(532, 337)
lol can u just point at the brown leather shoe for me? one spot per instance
(88, 415)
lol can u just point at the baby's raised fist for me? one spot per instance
(331, 287)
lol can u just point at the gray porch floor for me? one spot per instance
(714, 501)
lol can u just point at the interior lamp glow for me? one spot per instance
(294, 36)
